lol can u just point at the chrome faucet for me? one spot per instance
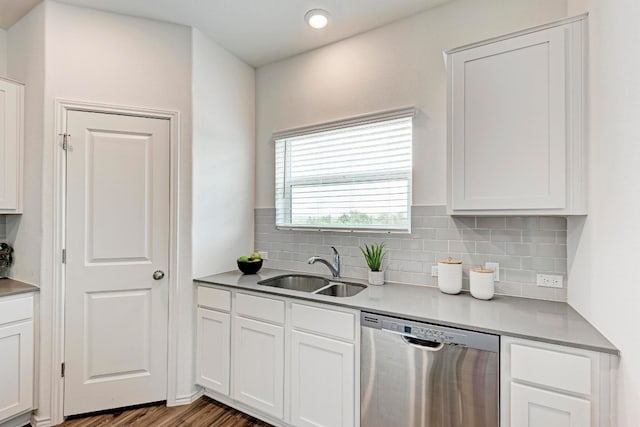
(335, 268)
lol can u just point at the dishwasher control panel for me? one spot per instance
(424, 332)
(429, 332)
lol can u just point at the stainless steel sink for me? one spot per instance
(296, 282)
(313, 284)
(342, 289)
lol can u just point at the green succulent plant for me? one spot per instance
(373, 255)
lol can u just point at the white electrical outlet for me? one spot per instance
(264, 254)
(495, 266)
(434, 271)
(549, 280)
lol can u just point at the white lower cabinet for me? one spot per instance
(322, 381)
(213, 350)
(16, 356)
(213, 339)
(291, 363)
(547, 385)
(535, 407)
(258, 373)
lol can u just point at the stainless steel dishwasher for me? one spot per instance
(417, 374)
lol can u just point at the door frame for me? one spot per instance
(62, 107)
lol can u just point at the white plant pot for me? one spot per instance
(376, 277)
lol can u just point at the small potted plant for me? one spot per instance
(6, 259)
(373, 255)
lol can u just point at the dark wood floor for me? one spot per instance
(204, 412)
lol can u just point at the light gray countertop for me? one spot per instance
(548, 321)
(13, 287)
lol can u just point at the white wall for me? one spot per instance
(115, 59)
(223, 157)
(396, 65)
(25, 57)
(26, 64)
(604, 246)
(3, 52)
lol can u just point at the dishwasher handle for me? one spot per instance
(426, 345)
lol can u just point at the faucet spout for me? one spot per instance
(334, 268)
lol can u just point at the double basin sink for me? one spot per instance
(314, 284)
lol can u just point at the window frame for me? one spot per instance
(407, 112)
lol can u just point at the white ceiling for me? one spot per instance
(264, 31)
(12, 10)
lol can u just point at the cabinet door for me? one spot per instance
(322, 381)
(213, 350)
(507, 124)
(10, 147)
(258, 370)
(533, 407)
(16, 369)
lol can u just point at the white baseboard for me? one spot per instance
(186, 400)
(17, 421)
(244, 408)
(41, 421)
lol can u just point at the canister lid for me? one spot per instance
(450, 261)
(481, 270)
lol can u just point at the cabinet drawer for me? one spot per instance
(271, 310)
(217, 299)
(564, 371)
(16, 309)
(338, 324)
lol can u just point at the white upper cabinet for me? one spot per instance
(11, 137)
(515, 127)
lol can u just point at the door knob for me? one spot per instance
(158, 275)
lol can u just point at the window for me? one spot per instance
(351, 175)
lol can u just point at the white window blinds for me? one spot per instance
(356, 177)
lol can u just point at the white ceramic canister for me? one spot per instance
(481, 283)
(376, 277)
(450, 275)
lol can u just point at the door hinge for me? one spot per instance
(64, 256)
(65, 144)
(62, 370)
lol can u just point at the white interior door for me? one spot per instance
(117, 236)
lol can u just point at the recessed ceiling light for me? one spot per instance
(317, 18)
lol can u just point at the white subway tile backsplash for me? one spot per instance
(412, 244)
(542, 265)
(522, 249)
(522, 222)
(533, 291)
(436, 245)
(463, 222)
(433, 221)
(524, 246)
(539, 236)
(491, 248)
(449, 234)
(476, 234)
(551, 251)
(496, 222)
(519, 276)
(553, 223)
(506, 236)
(462, 246)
